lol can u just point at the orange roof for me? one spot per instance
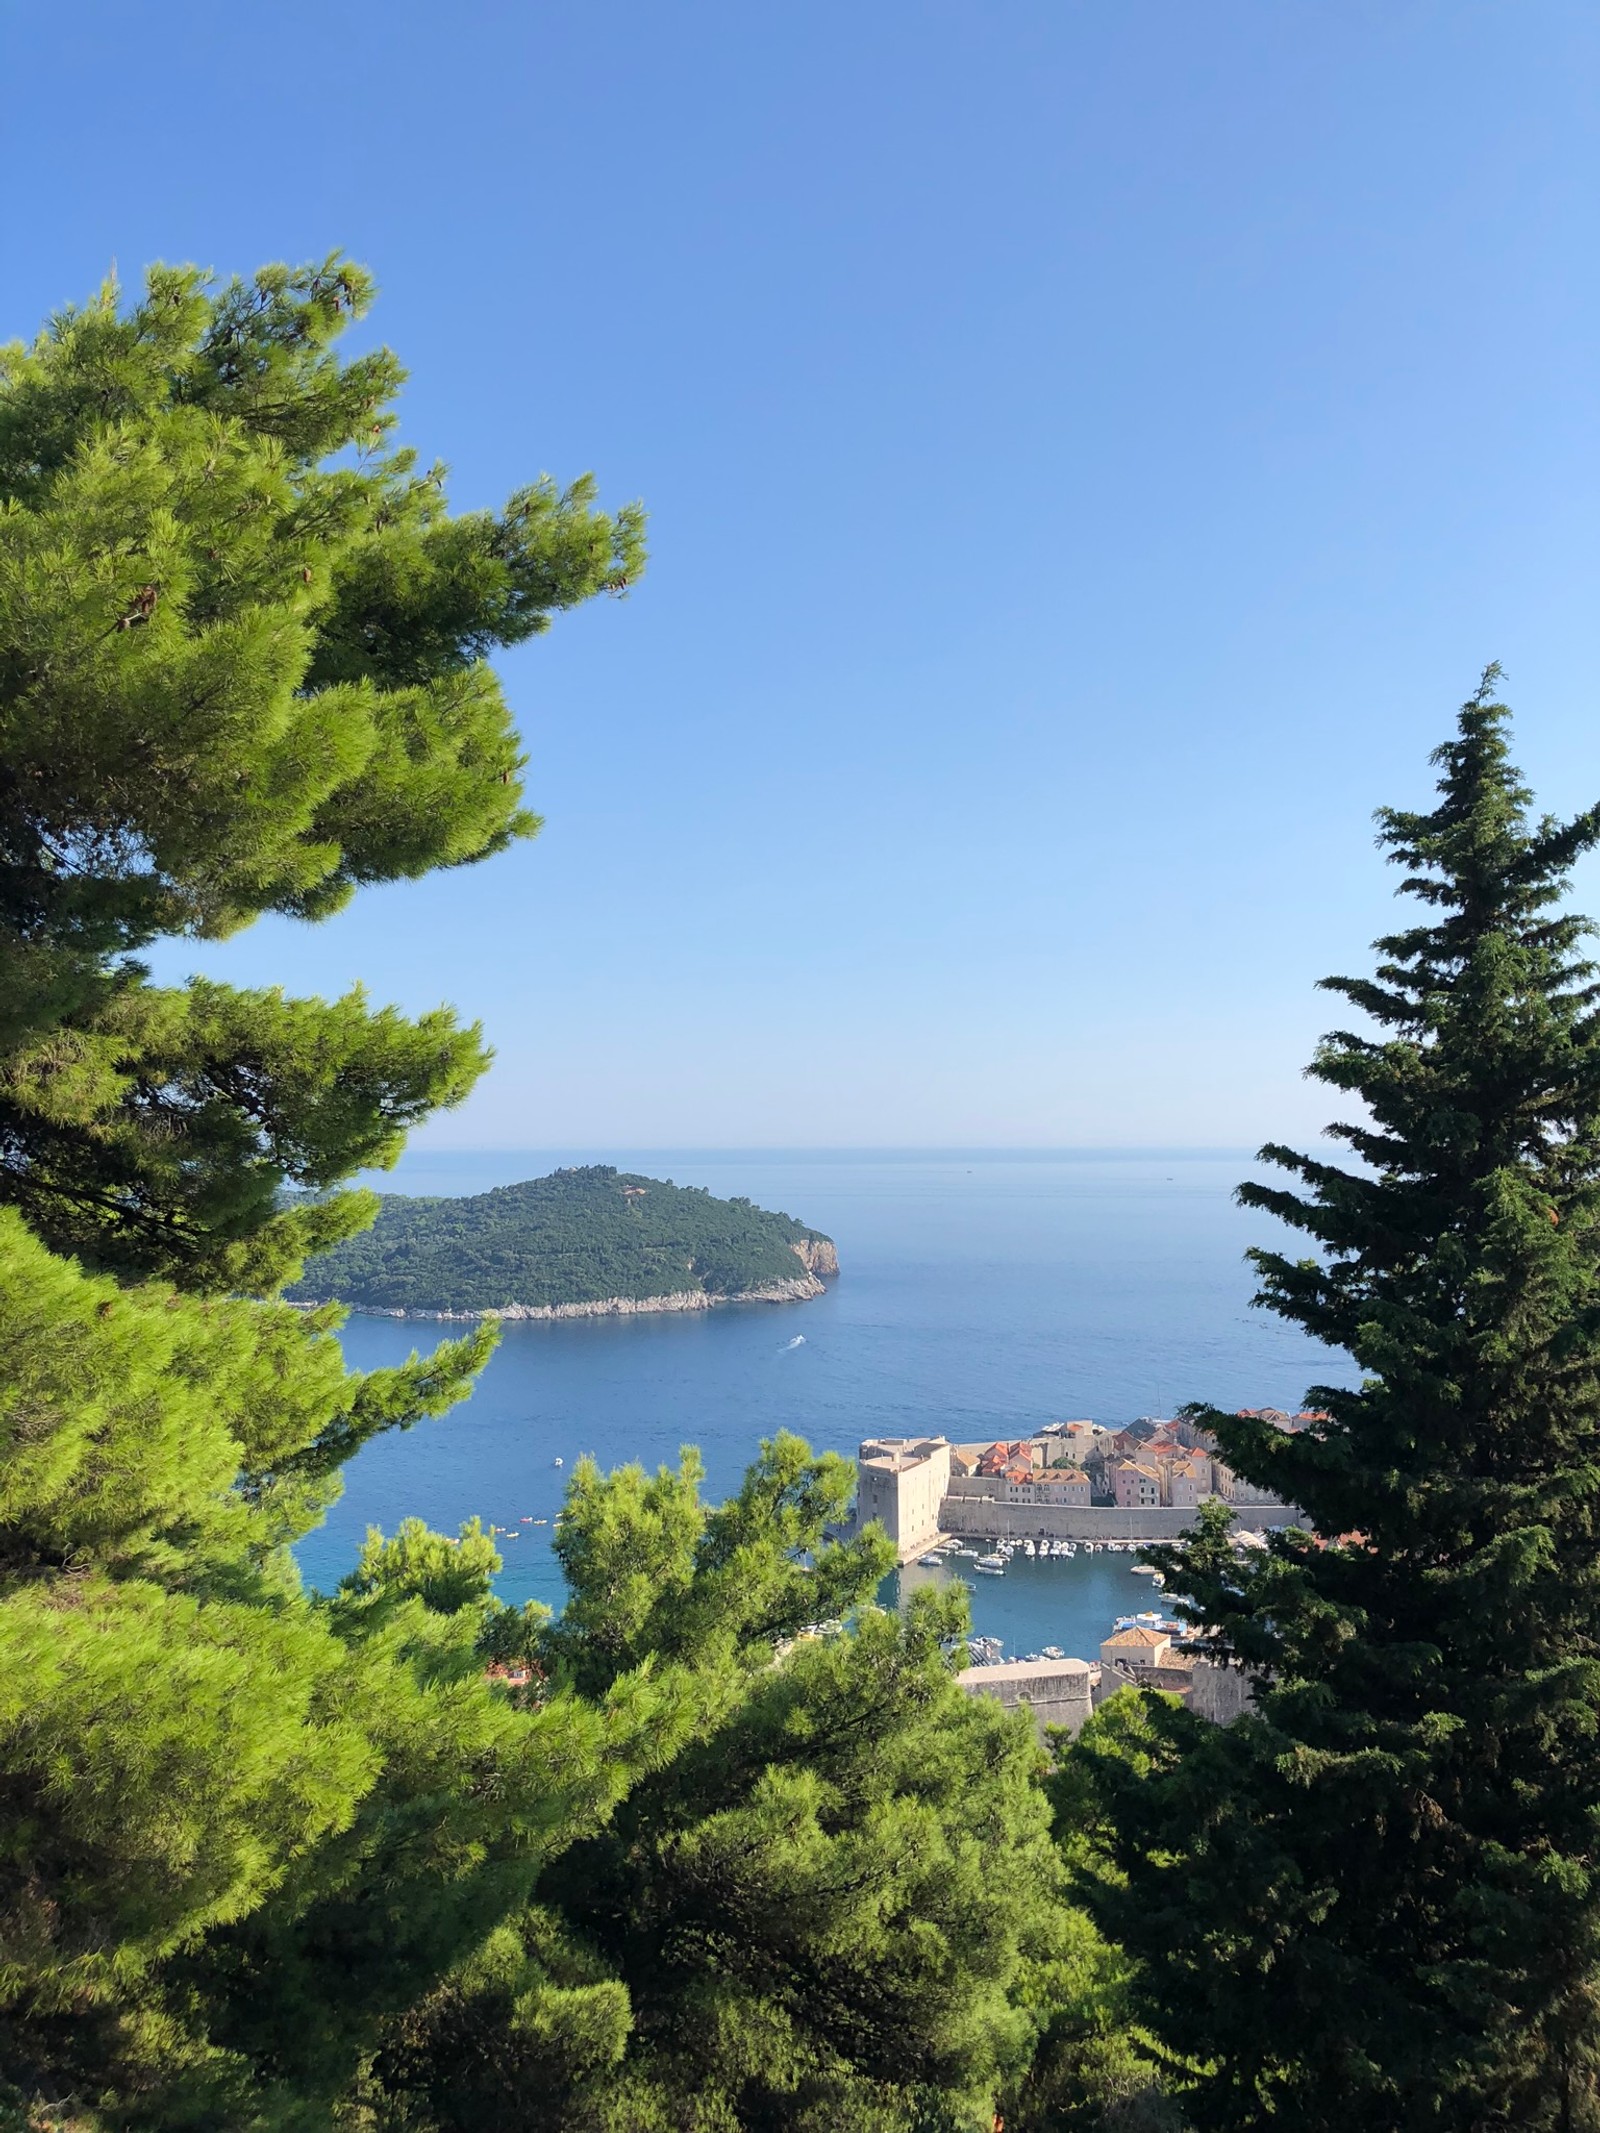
(1001, 1453)
(1140, 1636)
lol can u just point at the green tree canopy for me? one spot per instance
(270, 1860)
(815, 1915)
(1376, 1900)
(242, 669)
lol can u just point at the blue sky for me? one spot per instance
(1091, 449)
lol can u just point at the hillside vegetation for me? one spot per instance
(576, 1237)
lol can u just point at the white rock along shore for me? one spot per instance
(799, 1290)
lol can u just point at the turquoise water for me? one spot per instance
(980, 1295)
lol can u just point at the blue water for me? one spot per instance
(980, 1295)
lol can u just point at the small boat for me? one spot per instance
(989, 1570)
(990, 1562)
(560, 1462)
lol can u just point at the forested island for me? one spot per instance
(579, 1243)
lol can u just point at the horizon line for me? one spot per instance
(1168, 1150)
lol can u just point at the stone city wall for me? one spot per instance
(1218, 1693)
(982, 1518)
(1059, 1692)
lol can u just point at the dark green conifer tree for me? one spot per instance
(1375, 1902)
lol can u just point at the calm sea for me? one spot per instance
(980, 1295)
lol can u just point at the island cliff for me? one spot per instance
(594, 1242)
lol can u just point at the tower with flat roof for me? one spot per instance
(900, 1483)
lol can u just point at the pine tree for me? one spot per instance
(242, 669)
(266, 1856)
(1375, 1900)
(815, 1915)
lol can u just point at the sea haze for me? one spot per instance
(980, 1295)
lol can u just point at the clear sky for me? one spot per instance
(1091, 449)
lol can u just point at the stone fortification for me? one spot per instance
(1059, 1692)
(901, 1483)
(983, 1517)
(1071, 1481)
(1219, 1694)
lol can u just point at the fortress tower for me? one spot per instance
(900, 1483)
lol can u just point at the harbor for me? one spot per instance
(1037, 1605)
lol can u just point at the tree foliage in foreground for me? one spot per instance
(264, 1854)
(242, 669)
(812, 1916)
(1376, 1901)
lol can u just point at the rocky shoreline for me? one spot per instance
(800, 1290)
